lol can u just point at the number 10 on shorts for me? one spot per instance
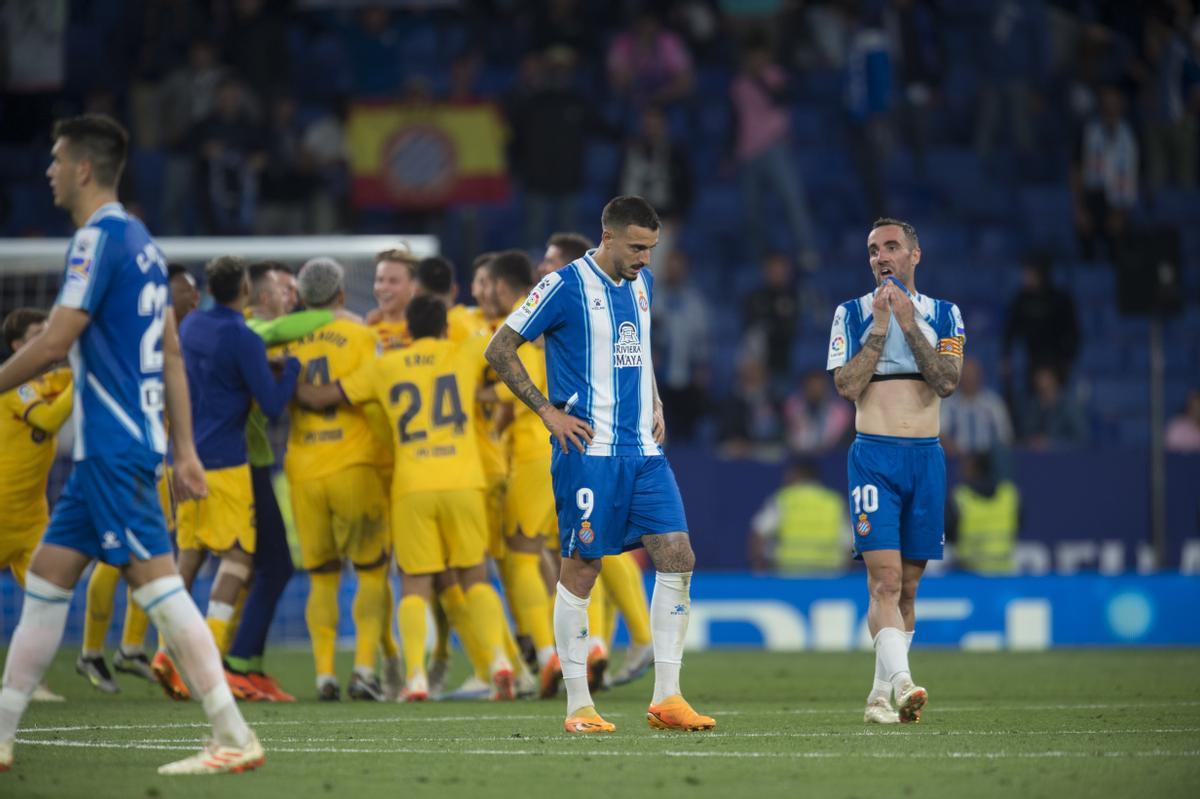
(866, 499)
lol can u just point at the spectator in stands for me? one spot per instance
(974, 418)
(187, 98)
(817, 420)
(324, 148)
(769, 315)
(565, 22)
(681, 346)
(983, 518)
(868, 103)
(1169, 107)
(763, 149)
(750, 425)
(1042, 322)
(552, 123)
(185, 297)
(1104, 178)
(287, 181)
(802, 528)
(1183, 431)
(1014, 62)
(256, 46)
(912, 28)
(656, 168)
(1051, 417)
(648, 64)
(233, 151)
(376, 56)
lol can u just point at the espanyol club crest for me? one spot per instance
(863, 527)
(586, 534)
(643, 303)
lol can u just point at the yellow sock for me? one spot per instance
(485, 614)
(133, 635)
(622, 578)
(321, 613)
(527, 597)
(101, 590)
(368, 616)
(220, 632)
(441, 621)
(598, 613)
(413, 629)
(387, 636)
(454, 602)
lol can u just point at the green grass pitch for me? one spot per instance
(1071, 723)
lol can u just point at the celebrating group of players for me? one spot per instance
(403, 446)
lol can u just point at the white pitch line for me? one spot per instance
(402, 719)
(878, 733)
(1001, 755)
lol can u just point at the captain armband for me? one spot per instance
(951, 346)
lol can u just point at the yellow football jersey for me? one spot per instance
(326, 442)
(391, 335)
(30, 415)
(463, 322)
(530, 438)
(427, 390)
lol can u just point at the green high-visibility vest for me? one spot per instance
(811, 529)
(987, 529)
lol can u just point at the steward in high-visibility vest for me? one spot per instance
(802, 527)
(988, 519)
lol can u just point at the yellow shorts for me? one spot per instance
(20, 533)
(439, 529)
(529, 503)
(493, 508)
(341, 516)
(165, 490)
(222, 519)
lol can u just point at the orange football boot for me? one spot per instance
(551, 676)
(169, 677)
(242, 688)
(586, 721)
(674, 713)
(269, 687)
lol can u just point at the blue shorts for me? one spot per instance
(898, 495)
(110, 510)
(606, 504)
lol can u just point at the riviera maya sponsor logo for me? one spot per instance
(627, 350)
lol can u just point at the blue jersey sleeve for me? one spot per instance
(543, 310)
(88, 273)
(839, 340)
(272, 395)
(951, 334)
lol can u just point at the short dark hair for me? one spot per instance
(435, 274)
(174, 270)
(573, 246)
(17, 323)
(98, 139)
(482, 260)
(621, 212)
(910, 232)
(512, 268)
(225, 275)
(426, 317)
(258, 272)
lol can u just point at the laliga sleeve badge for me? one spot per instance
(863, 527)
(586, 534)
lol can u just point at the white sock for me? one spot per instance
(91, 653)
(670, 608)
(221, 611)
(543, 655)
(170, 607)
(34, 642)
(891, 648)
(882, 687)
(365, 672)
(571, 640)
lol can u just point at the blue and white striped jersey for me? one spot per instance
(597, 352)
(118, 276)
(938, 320)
